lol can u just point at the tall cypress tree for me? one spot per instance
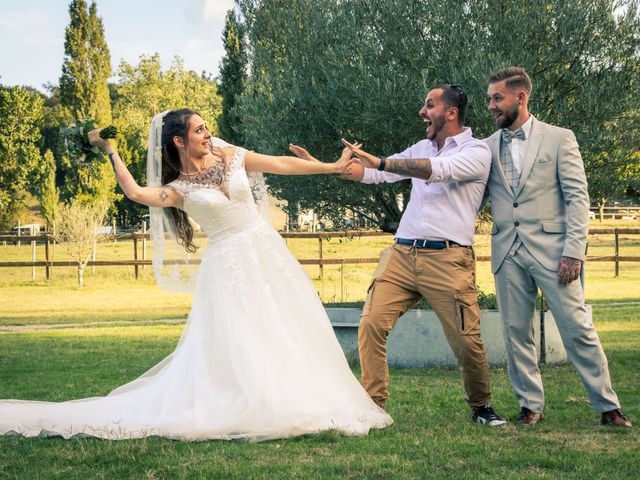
(100, 62)
(86, 66)
(84, 91)
(232, 78)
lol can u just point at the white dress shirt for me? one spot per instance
(519, 147)
(445, 206)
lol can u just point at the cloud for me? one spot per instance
(204, 14)
(202, 47)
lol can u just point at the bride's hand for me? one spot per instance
(96, 140)
(345, 161)
(302, 153)
(347, 153)
(363, 158)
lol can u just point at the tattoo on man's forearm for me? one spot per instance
(411, 167)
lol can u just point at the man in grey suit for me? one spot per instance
(540, 208)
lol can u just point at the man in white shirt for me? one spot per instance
(540, 207)
(432, 255)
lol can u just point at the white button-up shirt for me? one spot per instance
(445, 206)
(519, 147)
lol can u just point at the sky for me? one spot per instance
(32, 35)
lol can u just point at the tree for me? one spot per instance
(584, 63)
(49, 195)
(79, 230)
(20, 139)
(232, 79)
(326, 69)
(84, 93)
(86, 66)
(144, 90)
(100, 62)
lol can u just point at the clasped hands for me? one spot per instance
(351, 155)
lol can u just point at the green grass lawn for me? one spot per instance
(432, 436)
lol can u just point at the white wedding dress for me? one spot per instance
(258, 358)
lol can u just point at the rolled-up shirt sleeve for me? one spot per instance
(469, 163)
(371, 175)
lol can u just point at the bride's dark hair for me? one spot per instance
(176, 124)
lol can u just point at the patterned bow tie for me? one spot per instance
(508, 135)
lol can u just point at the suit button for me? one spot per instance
(516, 224)
(515, 204)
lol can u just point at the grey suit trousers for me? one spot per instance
(517, 280)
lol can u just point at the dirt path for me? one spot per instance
(63, 326)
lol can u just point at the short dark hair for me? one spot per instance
(516, 77)
(454, 95)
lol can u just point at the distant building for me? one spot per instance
(27, 229)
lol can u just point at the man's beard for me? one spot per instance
(508, 118)
(436, 125)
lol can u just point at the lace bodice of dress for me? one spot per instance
(220, 201)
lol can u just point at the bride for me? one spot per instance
(258, 358)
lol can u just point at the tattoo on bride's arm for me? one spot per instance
(113, 163)
(411, 167)
(163, 195)
(123, 176)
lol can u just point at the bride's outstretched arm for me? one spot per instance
(286, 165)
(351, 172)
(150, 196)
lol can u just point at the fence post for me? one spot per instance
(135, 255)
(33, 259)
(47, 259)
(543, 340)
(342, 281)
(320, 256)
(617, 240)
(144, 242)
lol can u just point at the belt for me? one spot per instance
(435, 244)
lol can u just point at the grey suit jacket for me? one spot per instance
(550, 207)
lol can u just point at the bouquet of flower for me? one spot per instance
(76, 142)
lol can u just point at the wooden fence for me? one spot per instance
(139, 239)
(616, 212)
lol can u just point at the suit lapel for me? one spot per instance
(494, 145)
(532, 151)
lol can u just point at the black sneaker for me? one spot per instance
(484, 415)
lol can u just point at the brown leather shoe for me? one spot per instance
(615, 418)
(529, 418)
(380, 401)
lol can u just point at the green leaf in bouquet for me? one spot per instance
(109, 131)
(80, 151)
(87, 126)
